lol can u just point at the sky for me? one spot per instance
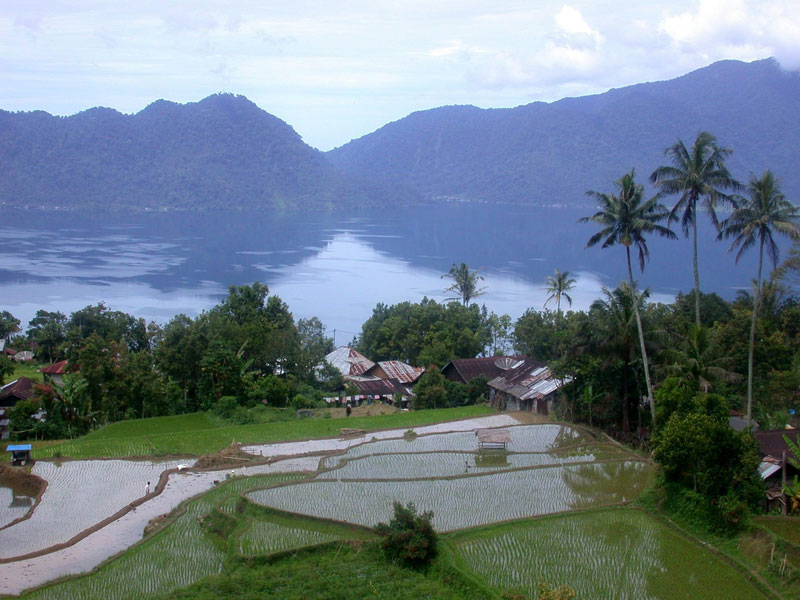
(338, 70)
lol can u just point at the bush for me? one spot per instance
(409, 538)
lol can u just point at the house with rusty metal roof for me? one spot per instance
(56, 372)
(349, 362)
(396, 370)
(527, 385)
(19, 389)
(464, 370)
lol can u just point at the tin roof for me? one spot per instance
(488, 366)
(19, 388)
(529, 379)
(58, 368)
(348, 361)
(771, 443)
(402, 372)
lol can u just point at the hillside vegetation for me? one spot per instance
(550, 154)
(220, 153)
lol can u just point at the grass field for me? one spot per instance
(612, 553)
(25, 369)
(198, 433)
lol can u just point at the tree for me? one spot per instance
(557, 287)
(765, 212)
(48, 331)
(408, 537)
(7, 368)
(465, 283)
(695, 174)
(698, 360)
(9, 325)
(625, 219)
(616, 332)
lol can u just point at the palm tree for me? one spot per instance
(764, 212)
(695, 174)
(557, 287)
(465, 282)
(625, 219)
(617, 334)
(697, 360)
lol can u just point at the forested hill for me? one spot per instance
(548, 154)
(220, 153)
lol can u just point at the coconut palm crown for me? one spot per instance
(625, 220)
(557, 287)
(695, 174)
(758, 217)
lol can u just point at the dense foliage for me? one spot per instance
(408, 538)
(220, 153)
(246, 351)
(551, 153)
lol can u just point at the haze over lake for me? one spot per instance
(336, 266)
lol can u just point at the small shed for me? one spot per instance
(493, 439)
(20, 454)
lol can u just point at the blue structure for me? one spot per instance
(20, 454)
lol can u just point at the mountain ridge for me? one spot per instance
(529, 154)
(224, 152)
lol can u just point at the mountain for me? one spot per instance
(550, 154)
(220, 153)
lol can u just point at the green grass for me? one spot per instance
(198, 433)
(345, 571)
(26, 369)
(610, 553)
(786, 528)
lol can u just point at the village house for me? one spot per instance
(776, 462)
(55, 372)
(464, 370)
(10, 394)
(525, 384)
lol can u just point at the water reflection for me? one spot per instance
(334, 266)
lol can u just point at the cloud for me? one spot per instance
(570, 51)
(743, 29)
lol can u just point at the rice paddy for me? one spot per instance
(563, 489)
(613, 553)
(466, 501)
(79, 494)
(444, 464)
(173, 558)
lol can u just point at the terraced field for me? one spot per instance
(613, 553)
(566, 491)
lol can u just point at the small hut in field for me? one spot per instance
(493, 439)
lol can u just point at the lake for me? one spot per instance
(333, 265)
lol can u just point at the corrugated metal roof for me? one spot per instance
(19, 388)
(771, 443)
(490, 367)
(58, 368)
(348, 361)
(530, 380)
(402, 372)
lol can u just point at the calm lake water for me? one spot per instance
(336, 266)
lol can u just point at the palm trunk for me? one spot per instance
(756, 300)
(641, 337)
(696, 270)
